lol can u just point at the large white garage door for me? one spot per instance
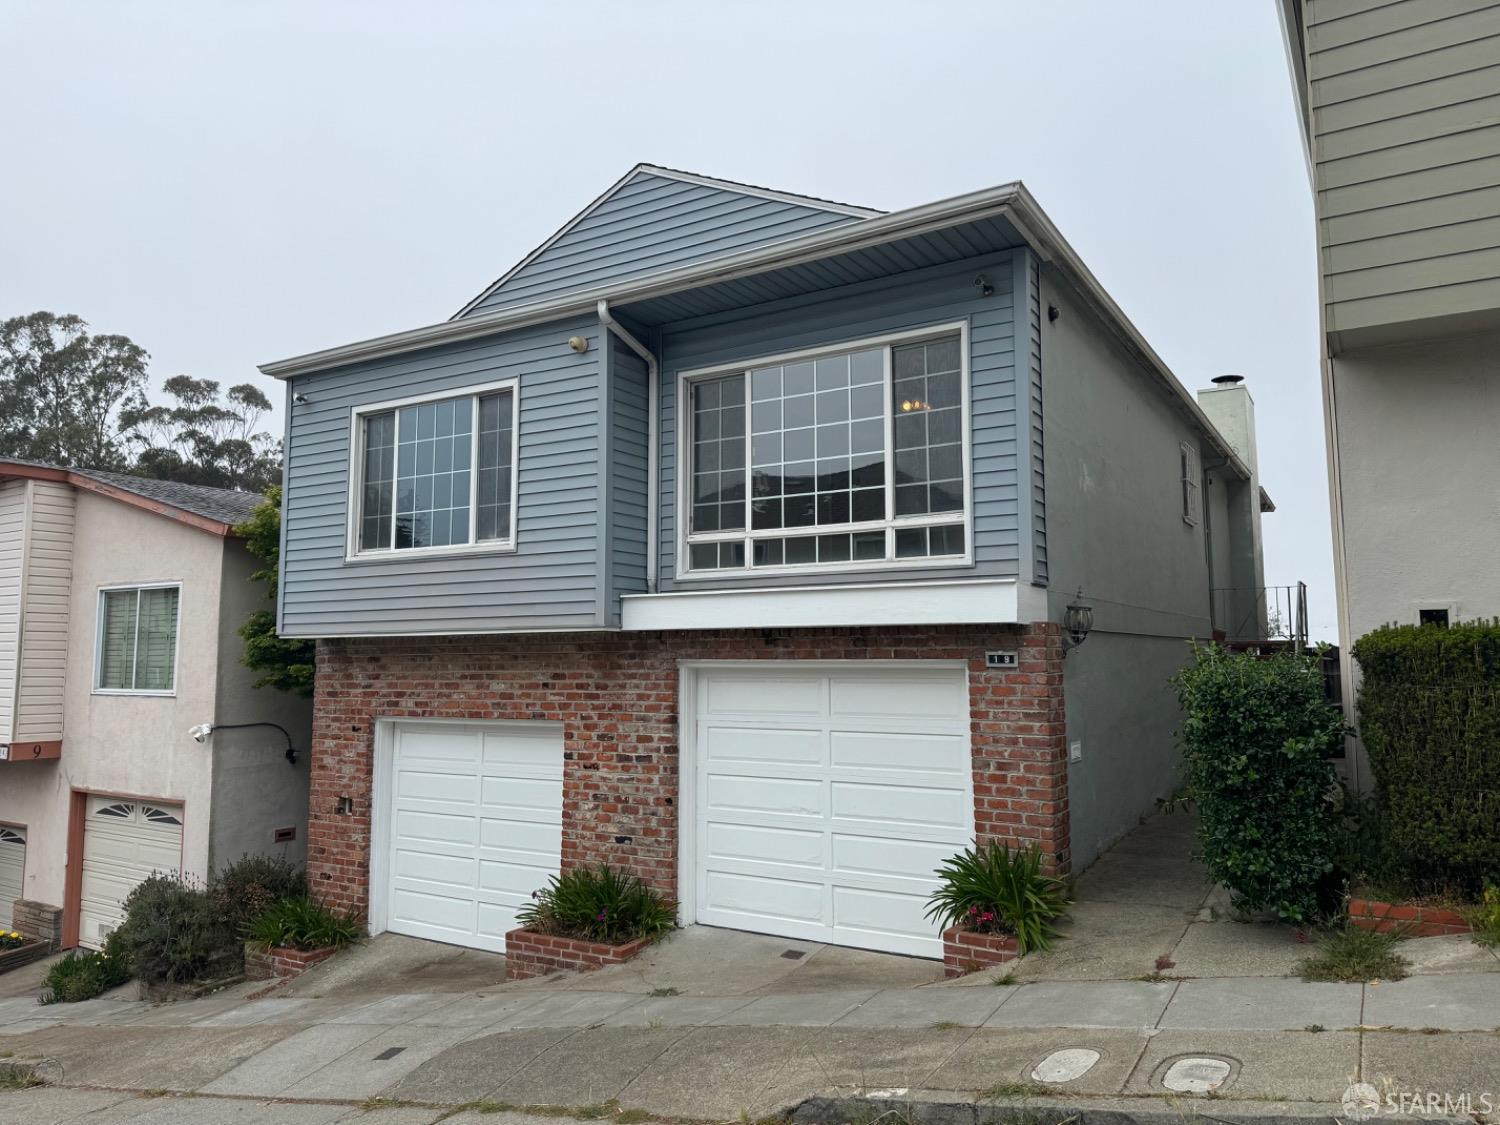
(124, 842)
(825, 798)
(475, 825)
(12, 866)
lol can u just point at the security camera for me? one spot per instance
(201, 732)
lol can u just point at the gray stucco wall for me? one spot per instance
(1115, 530)
(254, 791)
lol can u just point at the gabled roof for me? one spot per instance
(215, 510)
(795, 215)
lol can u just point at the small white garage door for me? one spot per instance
(826, 797)
(124, 842)
(474, 826)
(12, 866)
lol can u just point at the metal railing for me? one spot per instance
(1261, 613)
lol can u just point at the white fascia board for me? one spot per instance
(989, 601)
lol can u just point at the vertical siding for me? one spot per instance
(549, 582)
(932, 296)
(1405, 101)
(12, 541)
(652, 223)
(44, 630)
(1038, 461)
(627, 476)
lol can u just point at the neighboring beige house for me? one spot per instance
(120, 601)
(1400, 104)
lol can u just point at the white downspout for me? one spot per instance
(653, 441)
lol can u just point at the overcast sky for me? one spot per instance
(233, 183)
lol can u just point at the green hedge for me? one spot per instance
(1429, 717)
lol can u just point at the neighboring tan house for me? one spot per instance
(732, 537)
(1398, 103)
(120, 601)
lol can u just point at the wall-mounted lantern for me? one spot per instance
(1078, 622)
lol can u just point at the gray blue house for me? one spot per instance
(771, 548)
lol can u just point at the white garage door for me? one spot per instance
(12, 865)
(475, 825)
(124, 842)
(826, 797)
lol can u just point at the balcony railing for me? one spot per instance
(1262, 613)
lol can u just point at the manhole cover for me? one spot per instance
(1065, 1065)
(1196, 1075)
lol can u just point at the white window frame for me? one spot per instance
(1191, 471)
(99, 639)
(357, 416)
(684, 471)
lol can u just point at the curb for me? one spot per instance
(921, 1107)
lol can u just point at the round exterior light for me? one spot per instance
(579, 344)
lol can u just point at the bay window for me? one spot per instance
(438, 473)
(854, 457)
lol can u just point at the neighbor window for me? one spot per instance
(850, 458)
(1192, 504)
(138, 639)
(437, 474)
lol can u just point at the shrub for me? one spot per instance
(247, 888)
(1257, 735)
(304, 923)
(82, 975)
(176, 931)
(1429, 717)
(599, 904)
(991, 889)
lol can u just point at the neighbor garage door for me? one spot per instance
(826, 796)
(124, 842)
(12, 865)
(474, 827)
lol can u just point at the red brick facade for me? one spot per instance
(965, 951)
(529, 954)
(1413, 921)
(616, 695)
(281, 963)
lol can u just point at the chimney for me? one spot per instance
(1232, 411)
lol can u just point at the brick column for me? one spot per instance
(1020, 748)
(342, 766)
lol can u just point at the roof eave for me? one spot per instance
(124, 496)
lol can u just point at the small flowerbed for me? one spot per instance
(995, 904)
(584, 919)
(12, 939)
(16, 949)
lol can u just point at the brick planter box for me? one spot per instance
(280, 963)
(1415, 921)
(33, 950)
(530, 954)
(965, 951)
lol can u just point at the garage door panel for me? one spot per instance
(12, 869)
(883, 855)
(539, 837)
(761, 842)
(426, 905)
(514, 747)
(456, 788)
(124, 843)
(757, 694)
(414, 827)
(905, 697)
(899, 804)
(441, 747)
(898, 751)
(830, 824)
(514, 877)
(764, 896)
(520, 793)
(737, 745)
(449, 870)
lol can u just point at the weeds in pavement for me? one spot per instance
(1008, 978)
(19, 1080)
(666, 992)
(1353, 954)
(1315, 1028)
(1012, 1090)
(944, 1025)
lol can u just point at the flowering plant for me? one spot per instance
(599, 904)
(993, 890)
(11, 939)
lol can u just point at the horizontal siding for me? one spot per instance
(929, 297)
(47, 594)
(550, 581)
(652, 223)
(12, 540)
(627, 475)
(1406, 149)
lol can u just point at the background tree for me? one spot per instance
(62, 391)
(204, 436)
(285, 664)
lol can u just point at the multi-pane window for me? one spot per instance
(438, 474)
(855, 457)
(138, 639)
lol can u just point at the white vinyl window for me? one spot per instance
(436, 474)
(853, 457)
(1192, 502)
(137, 640)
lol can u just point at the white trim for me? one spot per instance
(953, 601)
(137, 587)
(382, 800)
(688, 755)
(683, 572)
(353, 508)
(666, 174)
